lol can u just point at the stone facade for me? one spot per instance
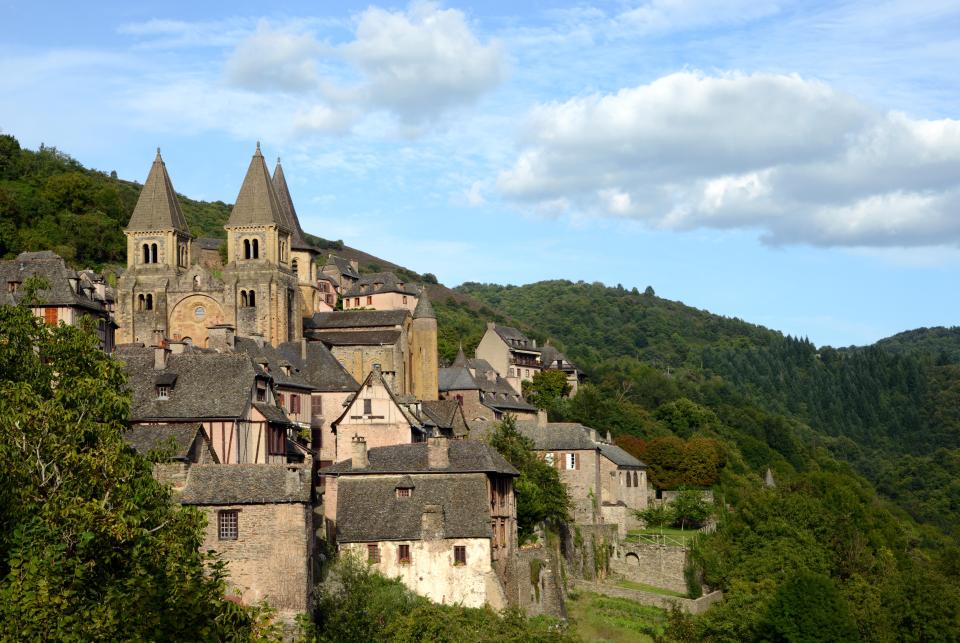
(374, 415)
(656, 565)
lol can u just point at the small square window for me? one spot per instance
(367, 407)
(404, 492)
(459, 555)
(403, 554)
(373, 553)
(228, 524)
(163, 392)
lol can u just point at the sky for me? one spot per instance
(793, 164)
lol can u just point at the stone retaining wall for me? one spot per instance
(691, 606)
(657, 565)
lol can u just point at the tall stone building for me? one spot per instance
(266, 287)
(423, 351)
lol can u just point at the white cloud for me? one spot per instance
(423, 61)
(788, 156)
(274, 59)
(680, 15)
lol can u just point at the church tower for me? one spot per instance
(260, 285)
(423, 351)
(303, 256)
(158, 252)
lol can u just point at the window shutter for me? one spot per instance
(316, 409)
(576, 462)
(50, 316)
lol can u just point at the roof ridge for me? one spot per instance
(299, 241)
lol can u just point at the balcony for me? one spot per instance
(529, 362)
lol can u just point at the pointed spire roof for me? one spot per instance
(424, 309)
(299, 241)
(461, 359)
(157, 207)
(768, 479)
(257, 203)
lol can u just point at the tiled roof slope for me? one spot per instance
(424, 309)
(344, 319)
(144, 438)
(465, 456)
(299, 241)
(239, 484)
(257, 202)
(620, 457)
(558, 435)
(368, 508)
(51, 267)
(320, 368)
(208, 385)
(357, 338)
(380, 282)
(157, 207)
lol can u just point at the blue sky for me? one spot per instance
(794, 164)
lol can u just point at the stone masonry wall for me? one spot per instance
(271, 557)
(657, 565)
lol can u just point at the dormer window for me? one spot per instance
(163, 392)
(404, 492)
(164, 384)
(261, 392)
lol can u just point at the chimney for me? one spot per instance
(355, 265)
(160, 357)
(360, 460)
(490, 325)
(303, 348)
(438, 453)
(533, 342)
(431, 522)
(177, 347)
(541, 418)
(609, 439)
(158, 339)
(221, 338)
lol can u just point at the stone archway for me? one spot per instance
(192, 316)
(633, 559)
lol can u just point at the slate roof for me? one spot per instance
(274, 360)
(380, 282)
(240, 484)
(445, 414)
(344, 266)
(274, 414)
(368, 509)
(456, 378)
(549, 355)
(424, 309)
(465, 456)
(321, 369)
(209, 243)
(257, 203)
(620, 457)
(144, 438)
(157, 206)
(299, 240)
(51, 267)
(209, 385)
(357, 337)
(345, 319)
(514, 338)
(564, 436)
(507, 402)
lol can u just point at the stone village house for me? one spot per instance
(481, 391)
(381, 291)
(517, 358)
(440, 515)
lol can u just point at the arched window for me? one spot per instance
(149, 302)
(243, 298)
(153, 253)
(256, 249)
(635, 484)
(146, 253)
(140, 300)
(252, 298)
(628, 479)
(246, 248)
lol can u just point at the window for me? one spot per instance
(228, 524)
(146, 253)
(373, 553)
(13, 286)
(252, 298)
(404, 492)
(629, 484)
(277, 441)
(404, 299)
(294, 265)
(503, 531)
(148, 304)
(294, 403)
(255, 249)
(403, 554)
(261, 392)
(356, 301)
(367, 407)
(316, 410)
(493, 529)
(369, 300)
(283, 399)
(50, 316)
(153, 253)
(246, 248)
(243, 299)
(572, 461)
(459, 555)
(635, 479)
(163, 392)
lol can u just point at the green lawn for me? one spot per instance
(603, 618)
(684, 536)
(629, 584)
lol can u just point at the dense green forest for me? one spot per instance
(835, 426)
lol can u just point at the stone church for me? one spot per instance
(266, 287)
